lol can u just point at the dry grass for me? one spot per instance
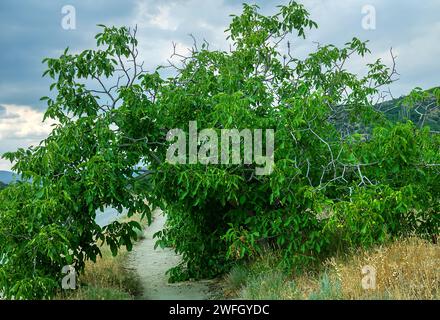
(108, 278)
(405, 269)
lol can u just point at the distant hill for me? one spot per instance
(7, 177)
(396, 110)
(2, 185)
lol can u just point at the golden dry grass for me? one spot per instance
(405, 269)
(108, 278)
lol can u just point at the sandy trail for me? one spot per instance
(151, 266)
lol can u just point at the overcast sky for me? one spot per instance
(32, 30)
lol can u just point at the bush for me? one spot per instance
(342, 173)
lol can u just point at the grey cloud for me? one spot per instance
(31, 30)
(6, 115)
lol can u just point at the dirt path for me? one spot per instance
(151, 266)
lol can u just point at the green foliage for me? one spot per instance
(83, 165)
(343, 174)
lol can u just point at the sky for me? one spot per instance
(32, 30)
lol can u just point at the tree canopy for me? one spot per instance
(344, 175)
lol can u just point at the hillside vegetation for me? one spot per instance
(422, 107)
